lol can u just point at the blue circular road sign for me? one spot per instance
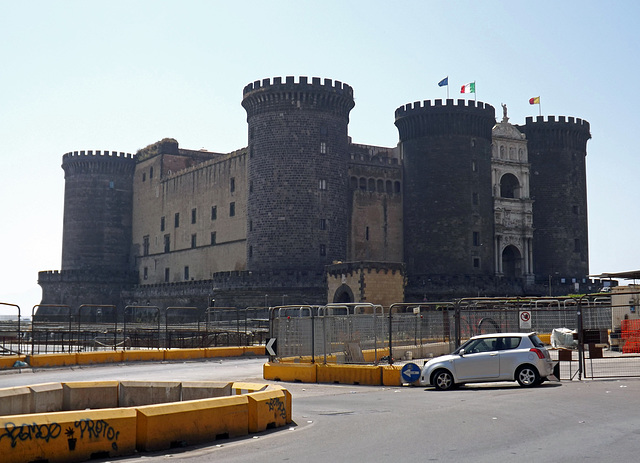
(410, 373)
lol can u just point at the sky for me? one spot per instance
(119, 75)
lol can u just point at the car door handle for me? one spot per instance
(493, 354)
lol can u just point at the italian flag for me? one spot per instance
(469, 88)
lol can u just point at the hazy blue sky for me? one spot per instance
(119, 75)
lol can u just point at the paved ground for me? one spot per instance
(570, 421)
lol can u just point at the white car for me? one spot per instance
(493, 357)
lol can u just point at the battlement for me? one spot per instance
(425, 106)
(551, 120)
(302, 84)
(97, 154)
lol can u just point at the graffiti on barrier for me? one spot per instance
(87, 428)
(29, 431)
(277, 405)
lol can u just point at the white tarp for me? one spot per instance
(563, 337)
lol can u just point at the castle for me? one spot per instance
(462, 206)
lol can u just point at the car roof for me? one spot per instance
(493, 335)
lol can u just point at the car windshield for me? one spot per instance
(535, 340)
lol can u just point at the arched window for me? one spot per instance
(380, 186)
(372, 185)
(509, 186)
(389, 186)
(363, 184)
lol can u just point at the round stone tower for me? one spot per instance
(298, 182)
(98, 200)
(557, 153)
(448, 204)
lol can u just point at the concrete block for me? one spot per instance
(67, 437)
(7, 362)
(391, 375)
(183, 354)
(188, 423)
(143, 355)
(350, 374)
(89, 394)
(92, 358)
(292, 372)
(52, 360)
(218, 352)
(135, 393)
(15, 401)
(246, 388)
(47, 397)
(196, 390)
(267, 410)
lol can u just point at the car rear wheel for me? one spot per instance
(527, 376)
(443, 380)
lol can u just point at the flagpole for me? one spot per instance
(447, 87)
(475, 92)
(539, 108)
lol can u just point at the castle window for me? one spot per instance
(162, 223)
(145, 245)
(380, 186)
(389, 187)
(232, 209)
(214, 212)
(476, 262)
(509, 186)
(251, 186)
(186, 272)
(476, 238)
(474, 166)
(323, 147)
(167, 243)
(322, 184)
(146, 273)
(193, 240)
(397, 188)
(575, 209)
(372, 185)
(366, 234)
(150, 173)
(193, 215)
(363, 184)
(250, 225)
(323, 250)
(176, 220)
(250, 252)
(111, 185)
(323, 224)
(144, 177)
(166, 275)
(232, 184)
(213, 238)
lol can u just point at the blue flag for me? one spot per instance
(444, 82)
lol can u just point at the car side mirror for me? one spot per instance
(461, 352)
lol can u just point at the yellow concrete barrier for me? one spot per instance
(10, 360)
(292, 372)
(184, 354)
(105, 356)
(188, 423)
(67, 437)
(267, 410)
(51, 360)
(391, 375)
(89, 394)
(217, 352)
(254, 350)
(140, 355)
(350, 374)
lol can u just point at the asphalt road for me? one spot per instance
(569, 421)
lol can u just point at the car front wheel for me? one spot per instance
(527, 376)
(443, 380)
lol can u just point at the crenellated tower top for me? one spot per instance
(276, 95)
(427, 118)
